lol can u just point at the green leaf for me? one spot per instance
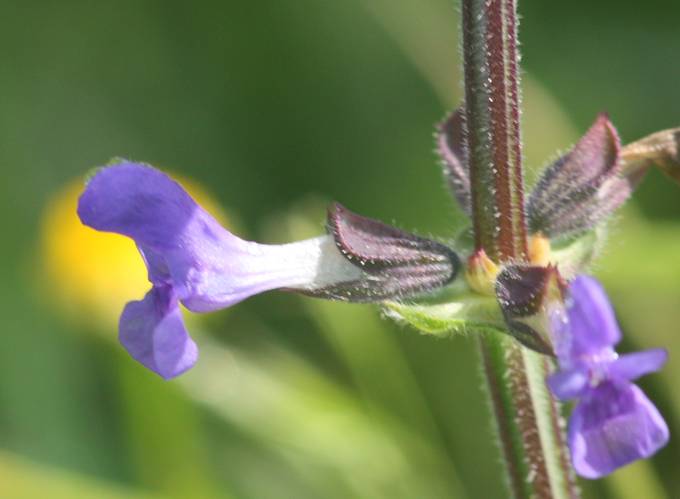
(465, 313)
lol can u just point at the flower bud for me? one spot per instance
(481, 273)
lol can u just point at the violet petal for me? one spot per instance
(153, 332)
(614, 426)
(631, 366)
(569, 383)
(137, 201)
(590, 328)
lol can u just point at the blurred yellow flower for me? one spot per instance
(90, 275)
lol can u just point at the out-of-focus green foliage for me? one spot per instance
(22, 479)
(269, 102)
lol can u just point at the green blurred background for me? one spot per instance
(278, 107)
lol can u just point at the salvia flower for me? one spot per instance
(193, 260)
(613, 422)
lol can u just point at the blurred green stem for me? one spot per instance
(527, 418)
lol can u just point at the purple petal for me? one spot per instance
(569, 383)
(152, 331)
(451, 146)
(633, 365)
(235, 273)
(157, 267)
(137, 201)
(590, 328)
(614, 425)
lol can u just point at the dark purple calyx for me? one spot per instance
(452, 149)
(524, 294)
(583, 187)
(395, 264)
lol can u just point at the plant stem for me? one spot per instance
(527, 418)
(492, 116)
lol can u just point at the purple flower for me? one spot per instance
(613, 423)
(193, 260)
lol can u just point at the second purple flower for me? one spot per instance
(613, 423)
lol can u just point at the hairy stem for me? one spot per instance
(528, 421)
(527, 418)
(492, 118)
